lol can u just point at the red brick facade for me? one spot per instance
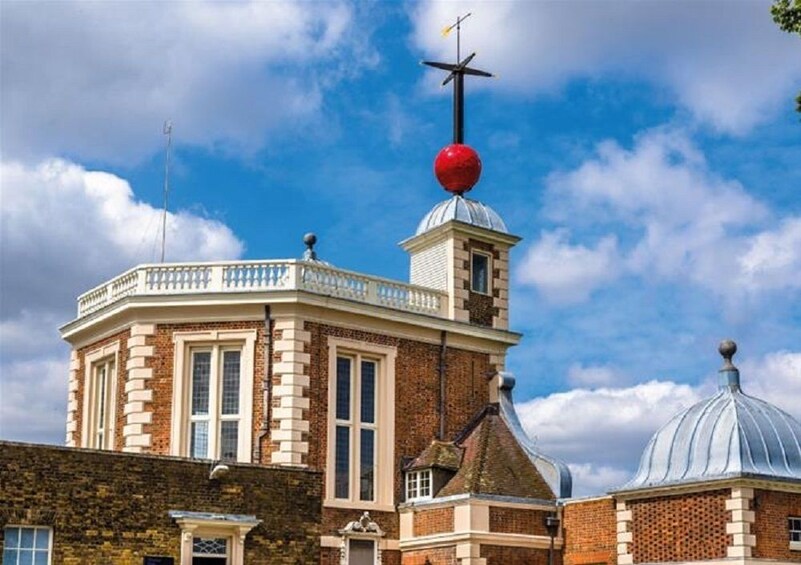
(772, 509)
(502, 555)
(435, 521)
(589, 530)
(685, 527)
(517, 521)
(438, 556)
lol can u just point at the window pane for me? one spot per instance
(9, 555)
(229, 439)
(368, 392)
(42, 538)
(425, 483)
(343, 388)
(342, 472)
(11, 538)
(411, 485)
(200, 440)
(40, 558)
(479, 272)
(26, 538)
(201, 370)
(25, 557)
(101, 397)
(230, 387)
(367, 464)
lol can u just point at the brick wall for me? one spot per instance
(503, 555)
(437, 556)
(589, 530)
(689, 527)
(517, 521)
(434, 521)
(771, 510)
(112, 507)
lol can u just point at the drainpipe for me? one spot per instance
(266, 385)
(443, 349)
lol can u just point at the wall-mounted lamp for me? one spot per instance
(552, 526)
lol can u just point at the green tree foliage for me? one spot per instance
(788, 17)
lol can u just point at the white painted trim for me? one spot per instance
(487, 538)
(183, 343)
(88, 425)
(385, 416)
(235, 533)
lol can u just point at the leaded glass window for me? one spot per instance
(215, 416)
(356, 431)
(102, 409)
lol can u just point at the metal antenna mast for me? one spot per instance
(168, 133)
(456, 74)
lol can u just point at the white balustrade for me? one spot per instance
(262, 276)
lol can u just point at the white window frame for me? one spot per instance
(414, 491)
(22, 526)
(794, 545)
(384, 452)
(90, 426)
(233, 532)
(488, 256)
(216, 341)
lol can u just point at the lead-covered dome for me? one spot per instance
(464, 210)
(728, 435)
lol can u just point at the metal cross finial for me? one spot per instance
(457, 72)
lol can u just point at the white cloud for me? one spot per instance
(566, 273)
(95, 80)
(773, 258)
(33, 400)
(681, 222)
(592, 376)
(725, 62)
(602, 432)
(63, 230)
(590, 480)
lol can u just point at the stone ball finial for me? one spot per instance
(309, 240)
(727, 349)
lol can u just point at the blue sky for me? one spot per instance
(647, 152)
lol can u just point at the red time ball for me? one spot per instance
(457, 167)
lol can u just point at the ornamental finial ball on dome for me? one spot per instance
(457, 167)
(727, 349)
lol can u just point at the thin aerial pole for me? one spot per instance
(168, 133)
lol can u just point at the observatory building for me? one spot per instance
(294, 411)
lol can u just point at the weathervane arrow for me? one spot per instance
(456, 73)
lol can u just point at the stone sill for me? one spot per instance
(795, 546)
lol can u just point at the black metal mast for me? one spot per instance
(456, 74)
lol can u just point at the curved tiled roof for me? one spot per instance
(463, 210)
(730, 434)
